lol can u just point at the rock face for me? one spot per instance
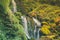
(9, 24)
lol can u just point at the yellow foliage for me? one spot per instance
(41, 11)
(57, 11)
(33, 14)
(53, 25)
(51, 36)
(45, 23)
(57, 19)
(45, 29)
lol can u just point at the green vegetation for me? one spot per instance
(46, 11)
(9, 24)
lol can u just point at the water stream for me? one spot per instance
(24, 20)
(37, 29)
(25, 24)
(14, 6)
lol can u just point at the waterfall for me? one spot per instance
(38, 34)
(14, 6)
(37, 28)
(24, 20)
(37, 22)
(35, 32)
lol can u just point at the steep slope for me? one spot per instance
(9, 24)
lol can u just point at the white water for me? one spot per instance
(37, 22)
(14, 6)
(36, 30)
(24, 20)
(38, 34)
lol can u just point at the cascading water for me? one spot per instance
(37, 22)
(38, 34)
(29, 27)
(37, 29)
(24, 20)
(14, 6)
